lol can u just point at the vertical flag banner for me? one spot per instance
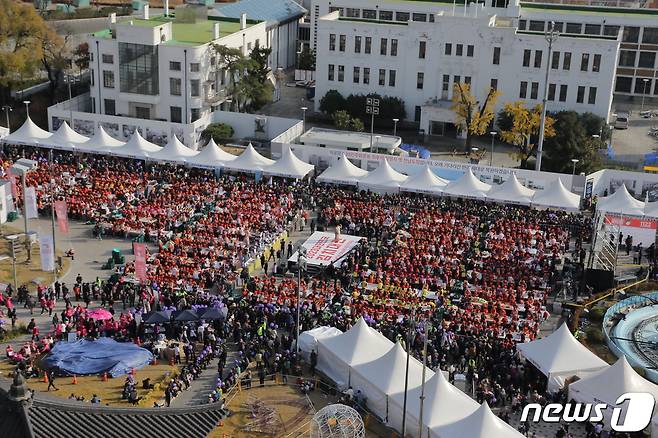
(47, 254)
(13, 179)
(140, 261)
(31, 202)
(62, 216)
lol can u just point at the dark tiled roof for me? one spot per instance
(11, 421)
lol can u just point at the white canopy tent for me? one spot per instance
(651, 209)
(65, 138)
(28, 134)
(467, 186)
(443, 404)
(137, 147)
(621, 202)
(343, 172)
(360, 344)
(384, 376)
(249, 161)
(384, 179)
(608, 384)
(211, 156)
(174, 152)
(560, 356)
(308, 340)
(511, 191)
(480, 424)
(424, 181)
(556, 196)
(289, 166)
(100, 143)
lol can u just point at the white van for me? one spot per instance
(621, 122)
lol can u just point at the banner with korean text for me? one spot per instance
(323, 248)
(31, 203)
(47, 252)
(140, 261)
(62, 216)
(642, 229)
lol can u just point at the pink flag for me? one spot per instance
(140, 261)
(62, 216)
(14, 188)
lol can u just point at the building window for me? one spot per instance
(580, 95)
(417, 111)
(522, 24)
(176, 114)
(175, 86)
(611, 30)
(382, 77)
(469, 50)
(108, 59)
(93, 105)
(341, 73)
(332, 42)
(566, 61)
(584, 62)
(494, 84)
(650, 35)
(420, 78)
(110, 108)
(386, 15)
(523, 90)
(647, 60)
(445, 87)
(459, 50)
(370, 14)
(591, 98)
(353, 12)
(341, 43)
(631, 34)
(448, 50)
(368, 45)
(574, 28)
(108, 79)
(555, 61)
(563, 93)
(92, 77)
(596, 63)
(496, 56)
(366, 75)
(402, 16)
(174, 66)
(194, 88)
(421, 49)
(419, 17)
(551, 92)
(391, 78)
(330, 76)
(91, 56)
(394, 47)
(536, 25)
(593, 29)
(356, 74)
(627, 58)
(382, 46)
(623, 84)
(534, 90)
(526, 57)
(641, 86)
(467, 80)
(457, 79)
(195, 113)
(357, 44)
(538, 56)
(559, 26)
(194, 67)
(138, 69)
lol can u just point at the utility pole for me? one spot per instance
(52, 207)
(372, 108)
(428, 327)
(551, 36)
(412, 324)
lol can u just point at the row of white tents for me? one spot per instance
(367, 361)
(623, 203)
(387, 179)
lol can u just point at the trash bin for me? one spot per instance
(12, 216)
(116, 255)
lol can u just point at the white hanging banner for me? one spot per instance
(31, 202)
(47, 252)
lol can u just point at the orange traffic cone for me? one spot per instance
(104, 378)
(75, 380)
(171, 362)
(45, 377)
(221, 423)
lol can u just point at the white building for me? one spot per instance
(420, 59)
(164, 68)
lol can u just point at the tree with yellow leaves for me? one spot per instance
(471, 115)
(524, 126)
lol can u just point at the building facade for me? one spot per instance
(419, 58)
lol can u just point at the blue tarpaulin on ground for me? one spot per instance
(95, 357)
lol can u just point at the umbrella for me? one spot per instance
(99, 314)
(157, 318)
(212, 313)
(187, 315)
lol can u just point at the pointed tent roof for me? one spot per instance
(560, 353)
(443, 404)
(100, 142)
(383, 176)
(467, 186)
(556, 196)
(651, 209)
(211, 156)
(66, 138)
(137, 147)
(358, 345)
(249, 161)
(174, 152)
(386, 373)
(480, 424)
(621, 202)
(424, 181)
(343, 172)
(289, 166)
(511, 191)
(29, 133)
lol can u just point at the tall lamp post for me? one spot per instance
(7, 109)
(301, 265)
(22, 167)
(304, 119)
(644, 93)
(395, 126)
(372, 108)
(493, 136)
(27, 107)
(574, 161)
(412, 325)
(551, 36)
(377, 138)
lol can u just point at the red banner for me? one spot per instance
(14, 188)
(62, 216)
(631, 222)
(140, 261)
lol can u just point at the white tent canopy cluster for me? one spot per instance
(385, 179)
(174, 152)
(370, 363)
(621, 202)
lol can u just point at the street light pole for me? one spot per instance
(551, 36)
(377, 137)
(70, 77)
(644, 93)
(301, 264)
(28, 245)
(427, 329)
(412, 324)
(27, 107)
(304, 119)
(574, 161)
(7, 108)
(493, 136)
(52, 206)
(395, 126)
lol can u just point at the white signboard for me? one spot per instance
(47, 252)
(323, 248)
